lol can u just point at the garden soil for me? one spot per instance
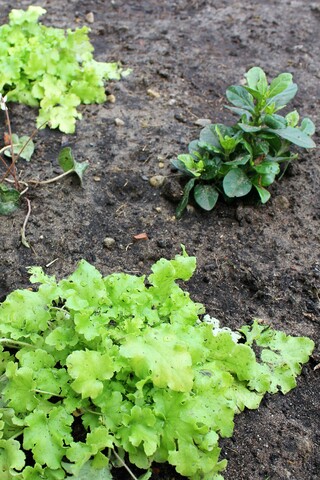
(253, 260)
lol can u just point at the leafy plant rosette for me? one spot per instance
(233, 160)
(95, 367)
(51, 69)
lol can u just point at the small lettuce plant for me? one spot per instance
(51, 69)
(95, 370)
(233, 160)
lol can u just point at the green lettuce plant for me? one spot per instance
(233, 160)
(95, 369)
(51, 69)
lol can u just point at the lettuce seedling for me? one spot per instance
(51, 69)
(234, 160)
(93, 368)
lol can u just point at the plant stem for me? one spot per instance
(44, 392)
(16, 343)
(34, 133)
(12, 167)
(23, 229)
(124, 464)
(51, 180)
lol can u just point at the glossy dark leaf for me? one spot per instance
(296, 136)
(236, 183)
(209, 136)
(239, 97)
(284, 97)
(206, 196)
(9, 199)
(267, 168)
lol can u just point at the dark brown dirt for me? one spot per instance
(253, 260)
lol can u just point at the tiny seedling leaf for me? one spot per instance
(69, 164)
(22, 146)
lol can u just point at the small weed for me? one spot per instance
(23, 147)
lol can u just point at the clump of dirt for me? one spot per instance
(253, 260)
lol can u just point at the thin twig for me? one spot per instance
(23, 229)
(124, 464)
(34, 133)
(13, 158)
(51, 180)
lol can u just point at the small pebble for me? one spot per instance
(109, 242)
(119, 122)
(153, 93)
(111, 98)
(90, 17)
(97, 179)
(282, 202)
(202, 122)
(157, 181)
(158, 209)
(161, 165)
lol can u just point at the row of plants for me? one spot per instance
(99, 372)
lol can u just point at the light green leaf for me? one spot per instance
(89, 369)
(257, 80)
(263, 193)
(12, 458)
(281, 354)
(236, 183)
(187, 164)
(141, 428)
(88, 472)
(31, 15)
(47, 434)
(206, 196)
(161, 355)
(292, 119)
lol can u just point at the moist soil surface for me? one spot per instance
(253, 260)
